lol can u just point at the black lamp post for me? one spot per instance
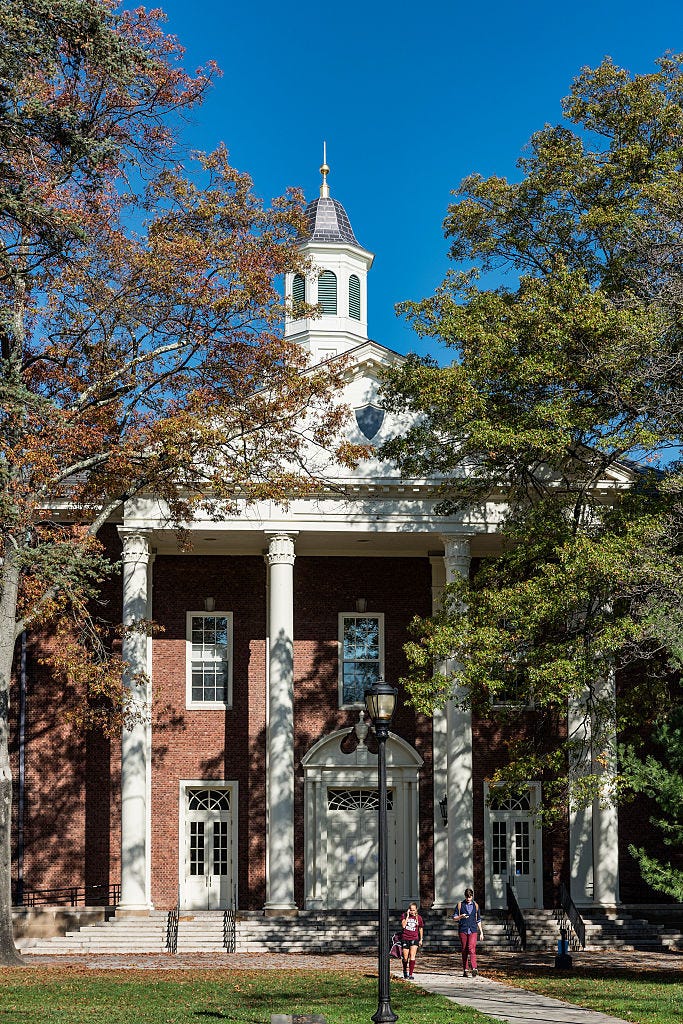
(380, 701)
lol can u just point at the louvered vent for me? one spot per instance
(327, 293)
(298, 289)
(298, 293)
(354, 297)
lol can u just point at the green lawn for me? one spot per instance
(82, 996)
(646, 997)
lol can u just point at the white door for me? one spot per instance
(512, 851)
(352, 852)
(209, 875)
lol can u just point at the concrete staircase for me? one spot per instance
(604, 931)
(343, 931)
(622, 930)
(117, 935)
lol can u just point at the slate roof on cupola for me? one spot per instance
(329, 222)
(327, 219)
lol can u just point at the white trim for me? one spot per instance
(340, 651)
(183, 786)
(207, 705)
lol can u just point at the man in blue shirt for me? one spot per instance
(469, 927)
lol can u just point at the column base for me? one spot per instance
(286, 910)
(134, 911)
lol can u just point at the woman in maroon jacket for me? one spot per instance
(413, 934)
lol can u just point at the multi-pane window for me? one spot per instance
(499, 847)
(357, 800)
(361, 660)
(522, 848)
(221, 846)
(197, 847)
(209, 644)
(500, 800)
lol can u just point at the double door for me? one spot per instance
(209, 855)
(352, 851)
(513, 850)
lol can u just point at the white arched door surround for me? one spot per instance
(513, 847)
(340, 793)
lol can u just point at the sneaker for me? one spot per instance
(475, 972)
(464, 974)
(411, 977)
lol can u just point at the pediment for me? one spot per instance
(328, 752)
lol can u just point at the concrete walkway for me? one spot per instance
(505, 1002)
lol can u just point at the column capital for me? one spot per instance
(136, 543)
(457, 552)
(281, 548)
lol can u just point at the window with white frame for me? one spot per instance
(361, 655)
(209, 659)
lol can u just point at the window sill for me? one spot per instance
(208, 705)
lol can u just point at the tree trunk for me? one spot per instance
(9, 584)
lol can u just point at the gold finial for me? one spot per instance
(324, 170)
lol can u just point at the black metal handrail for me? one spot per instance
(72, 896)
(229, 930)
(571, 914)
(516, 914)
(172, 922)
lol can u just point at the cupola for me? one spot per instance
(337, 282)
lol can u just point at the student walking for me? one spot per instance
(469, 928)
(411, 938)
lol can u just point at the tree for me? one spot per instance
(564, 406)
(661, 779)
(141, 349)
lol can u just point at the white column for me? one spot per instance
(605, 823)
(581, 884)
(443, 895)
(459, 737)
(452, 746)
(593, 830)
(135, 741)
(280, 840)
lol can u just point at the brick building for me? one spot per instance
(254, 783)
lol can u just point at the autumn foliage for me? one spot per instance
(141, 343)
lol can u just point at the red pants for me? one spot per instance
(469, 949)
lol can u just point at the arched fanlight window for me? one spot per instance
(354, 297)
(327, 293)
(298, 292)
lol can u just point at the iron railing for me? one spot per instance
(516, 914)
(568, 912)
(172, 922)
(71, 896)
(229, 930)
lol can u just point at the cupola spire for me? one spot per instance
(324, 170)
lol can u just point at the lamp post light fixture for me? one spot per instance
(380, 701)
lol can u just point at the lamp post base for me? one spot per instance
(384, 1014)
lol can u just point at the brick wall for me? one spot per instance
(72, 831)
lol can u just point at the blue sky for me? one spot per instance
(410, 98)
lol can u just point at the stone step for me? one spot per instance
(328, 933)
